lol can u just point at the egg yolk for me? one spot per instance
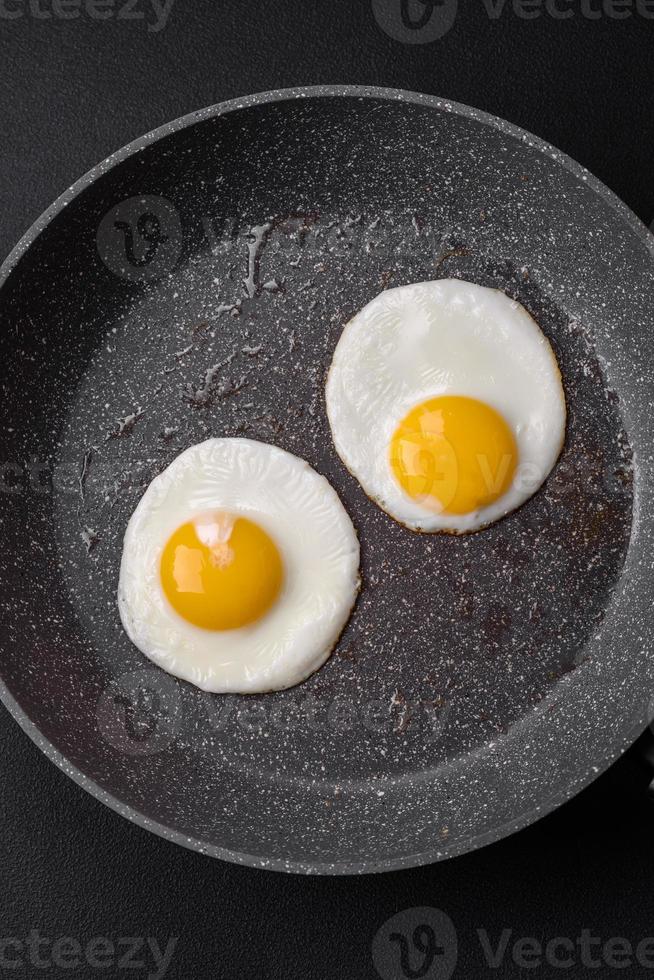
(453, 454)
(220, 571)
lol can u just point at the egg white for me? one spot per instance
(300, 511)
(447, 337)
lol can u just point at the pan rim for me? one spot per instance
(12, 261)
(309, 92)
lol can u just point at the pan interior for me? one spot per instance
(127, 340)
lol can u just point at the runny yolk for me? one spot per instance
(453, 454)
(220, 571)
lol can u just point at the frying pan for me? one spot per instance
(195, 284)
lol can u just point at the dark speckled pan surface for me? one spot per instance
(195, 285)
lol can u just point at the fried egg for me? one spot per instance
(445, 401)
(240, 568)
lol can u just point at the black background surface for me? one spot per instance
(72, 91)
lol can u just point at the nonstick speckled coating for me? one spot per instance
(481, 679)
